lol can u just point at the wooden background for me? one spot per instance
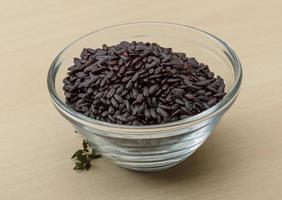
(241, 160)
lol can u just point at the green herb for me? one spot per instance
(83, 157)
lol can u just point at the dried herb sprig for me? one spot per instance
(83, 157)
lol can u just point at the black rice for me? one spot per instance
(140, 84)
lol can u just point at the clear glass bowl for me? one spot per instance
(151, 147)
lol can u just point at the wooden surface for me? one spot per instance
(241, 160)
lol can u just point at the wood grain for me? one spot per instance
(241, 160)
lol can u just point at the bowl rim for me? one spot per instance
(228, 98)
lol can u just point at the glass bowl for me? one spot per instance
(150, 147)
